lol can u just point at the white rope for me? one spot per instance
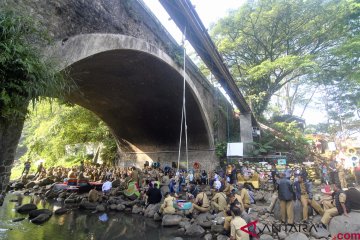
(183, 112)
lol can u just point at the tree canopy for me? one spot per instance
(268, 44)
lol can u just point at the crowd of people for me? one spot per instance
(231, 189)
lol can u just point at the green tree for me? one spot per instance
(24, 77)
(268, 44)
(52, 127)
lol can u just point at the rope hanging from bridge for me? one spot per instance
(183, 112)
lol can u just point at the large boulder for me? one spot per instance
(208, 236)
(343, 224)
(217, 228)
(45, 181)
(120, 207)
(297, 236)
(151, 210)
(171, 220)
(41, 218)
(319, 233)
(137, 209)
(37, 212)
(25, 208)
(205, 220)
(195, 231)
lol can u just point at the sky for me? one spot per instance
(209, 12)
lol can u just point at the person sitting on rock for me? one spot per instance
(341, 206)
(353, 198)
(237, 222)
(218, 202)
(233, 202)
(94, 195)
(154, 194)
(201, 203)
(168, 206)
(245, 197)
(304, 194)
(27, 166)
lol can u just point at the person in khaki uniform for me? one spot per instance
(236, 223)
(233, 202)
(285, 195)
(304, 194)
(340, 206)
(341, 172)
(245, 198)
(201, 203)
(167, 207)
(218, 202)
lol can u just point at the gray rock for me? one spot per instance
(219, 220)
(120, 207)
(25, 208)
(204, 220)
(136, 209)
(266, 237)
(151, 210)
(195, 231)
(37, 212)
(319, 233)
(112, 206)
(208, 236)
(222, 237)
(70, 200)
(157, 217)
(297, 236)
(41, 218)
(100, 208)
(17, 219)
(343, 224)
(177, 238)
(217, 228)
(61, 211)
(171, 220)
(87, 205)
(184, 224)
(282, 235)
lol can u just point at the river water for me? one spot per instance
(78, 224)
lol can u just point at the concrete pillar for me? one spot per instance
(246, 134)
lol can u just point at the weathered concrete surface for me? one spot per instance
(128, 71)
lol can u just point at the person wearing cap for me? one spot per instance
(168, 206)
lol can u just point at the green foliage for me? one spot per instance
(292, 140)
(261, 148)
(24, 74)
(53, 126)
(220, 150)
(267, 43)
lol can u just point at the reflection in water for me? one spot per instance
(76, 224)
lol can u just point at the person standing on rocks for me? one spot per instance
(304, 194)
(341, 173)
(286, 195)
(340, 206)
(27, 166)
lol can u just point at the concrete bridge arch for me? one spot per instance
(136, 88)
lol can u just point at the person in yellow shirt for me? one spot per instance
(168, 206)
(201, 203)
(236, 223)
(218, 202)
(245, 198)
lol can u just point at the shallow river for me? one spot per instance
(78, 224)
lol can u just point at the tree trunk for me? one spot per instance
(10, 132)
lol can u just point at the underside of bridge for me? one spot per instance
(140, 98)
